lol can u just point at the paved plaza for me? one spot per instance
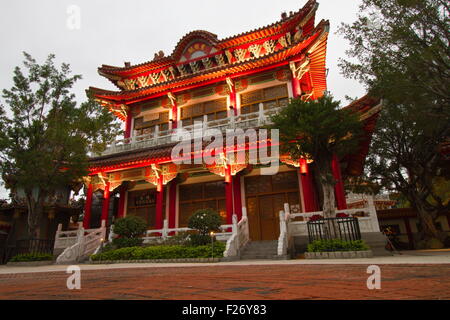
(413, 275)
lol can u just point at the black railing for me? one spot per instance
(344, 228)
(34, 246)
(26, 246)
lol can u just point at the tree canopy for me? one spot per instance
(45, 136)
(318, 130)
(400, 51)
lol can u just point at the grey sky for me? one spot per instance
(116, 31)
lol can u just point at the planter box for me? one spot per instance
(30, 263)
(339, 254)
(185, 260)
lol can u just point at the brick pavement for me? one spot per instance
(258, 282)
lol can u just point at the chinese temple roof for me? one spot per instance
(369, 109)
(200, 58)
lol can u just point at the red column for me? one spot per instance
(127, 132)
(308, 189)
(339, 189)
(172, 203)
(122, 195)
(174, 115)
(237, 196)
(88, 208)
(105, 206)
(296, 89)
(233, 101)
(159, 203)
(229, 194)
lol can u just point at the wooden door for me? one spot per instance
(263, 214)
(266, 196)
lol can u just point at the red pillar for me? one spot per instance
(308, 189)
(105, 206)
(237, 196)
(296, 89)
(122, 195)
(229, 194)
(339, 189)
(88, 208)
(159, 204)
(172, 203)
(174, 115)
(127, 132)
(233, 101)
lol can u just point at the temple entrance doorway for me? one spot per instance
(265, 198)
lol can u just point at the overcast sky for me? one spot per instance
(112, 32)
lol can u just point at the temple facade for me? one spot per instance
(216, 84)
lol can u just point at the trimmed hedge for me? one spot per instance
(25, 257)
(161, 252)
(127, 242)
(337, 245)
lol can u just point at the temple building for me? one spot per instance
(236, 82)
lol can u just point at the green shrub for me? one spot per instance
(25, 257)
(182, 238)
(337, 245)
(126, 242)
(205, 221)
(199, 239)
(129, 227)
(161, 252)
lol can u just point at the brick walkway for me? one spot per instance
(257, 282)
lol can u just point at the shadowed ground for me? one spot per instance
(238, 282)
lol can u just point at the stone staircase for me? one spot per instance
(377, 243)
(266, 249)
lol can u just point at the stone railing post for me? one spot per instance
(282, 222)
(165, 228)
(111, 233)
(373, 215)
(235, 229)
(58, 231)
(246, 230)
(261, 116)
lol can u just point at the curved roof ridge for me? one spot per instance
(310, 6)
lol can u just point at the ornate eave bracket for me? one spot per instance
(164, 173)
(301, 163)
(121, 110)
(299, 71)
(224, 163)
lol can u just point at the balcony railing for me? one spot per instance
(243, 121)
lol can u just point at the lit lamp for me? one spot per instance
(303, 166)
(212, 243)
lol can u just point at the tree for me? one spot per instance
(317, 130)
(400, 51)
(45, 136)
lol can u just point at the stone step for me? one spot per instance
(259, 251)
(377, 242)
(266, 250)
(258, 256)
